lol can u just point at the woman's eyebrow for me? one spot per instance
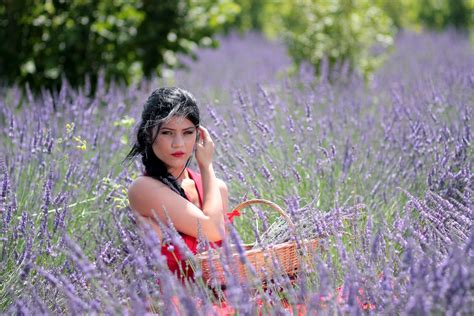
(172, 129)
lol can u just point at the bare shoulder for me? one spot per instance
(141, 184)
(143, 189)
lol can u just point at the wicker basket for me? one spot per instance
(287, 255)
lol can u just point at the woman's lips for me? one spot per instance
(177, 154)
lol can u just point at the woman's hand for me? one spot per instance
(204, 148)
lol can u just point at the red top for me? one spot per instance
(174, 257)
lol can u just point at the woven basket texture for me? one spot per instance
(282, 258)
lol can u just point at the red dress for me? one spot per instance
(173, 256)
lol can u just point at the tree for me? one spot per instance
(44, 41)
(431, 14)
(356, 32)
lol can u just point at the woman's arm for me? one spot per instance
(213, 204)
(142, 221)
(224, 196)
(150, 198)
(212, 199)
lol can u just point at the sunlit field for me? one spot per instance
(380, 171)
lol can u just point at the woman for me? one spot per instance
(168, 135)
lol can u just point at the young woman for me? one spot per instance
(168, 136)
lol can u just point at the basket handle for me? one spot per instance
(268, 203)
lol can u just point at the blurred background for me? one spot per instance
(46, 42)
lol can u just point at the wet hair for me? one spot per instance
(161, 105)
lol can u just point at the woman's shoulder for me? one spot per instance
(145, 193)
(143, 184)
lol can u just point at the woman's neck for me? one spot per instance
(179, 173)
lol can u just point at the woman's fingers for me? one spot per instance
(204, 148)
(204, 135)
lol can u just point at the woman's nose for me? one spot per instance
(178, 141)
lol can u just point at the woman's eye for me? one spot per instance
(188, 133)
(166, 132)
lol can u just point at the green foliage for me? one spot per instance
(339, 31)
(348, 30)
(252, 15)
(403, 13)
(439, 14)
(44, 41)
(314, 30)
(430, 14)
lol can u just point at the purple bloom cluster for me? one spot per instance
(380, 172)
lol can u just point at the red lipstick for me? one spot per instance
(178, 154)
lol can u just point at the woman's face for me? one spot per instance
(175, 142)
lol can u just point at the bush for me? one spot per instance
(431, 14)
(341, 31)
(44, 41)
(441, 14)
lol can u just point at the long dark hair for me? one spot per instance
(161, 105)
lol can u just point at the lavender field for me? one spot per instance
(380, 171)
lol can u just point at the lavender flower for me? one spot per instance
(320, 147)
